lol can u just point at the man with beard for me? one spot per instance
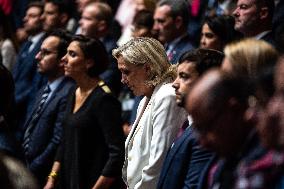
(186, 159)
(253, 18)
(27, 79)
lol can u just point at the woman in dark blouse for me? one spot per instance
(92, 151)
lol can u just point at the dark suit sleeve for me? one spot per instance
(199, 159)
(54, 141)
(110, 121)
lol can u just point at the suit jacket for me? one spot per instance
(226, 173)
(203, 177)
(184, 163)
(149, 140)
(269, 38)
(47, 132)
(182, 46)
(27, 81)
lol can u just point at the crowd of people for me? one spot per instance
(142, 94)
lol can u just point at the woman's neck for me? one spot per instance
(87, 83)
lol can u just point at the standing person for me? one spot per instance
(217, 32)
(43, 128)
(91, 153)
(57, 15)
(27, 80)
(96, 22)
(171, 21)
(146, 71)
(186, 159)
(253, 18)
(217, 104)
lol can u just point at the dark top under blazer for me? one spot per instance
(184, 163)
(93, 141)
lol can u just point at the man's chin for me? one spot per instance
(180, 103)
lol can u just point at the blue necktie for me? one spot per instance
(35, 117)
(26, 48)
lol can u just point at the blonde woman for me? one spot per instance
(248, 57)
(146, 71)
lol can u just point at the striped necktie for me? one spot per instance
(35, 117)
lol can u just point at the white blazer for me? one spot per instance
(148, 142)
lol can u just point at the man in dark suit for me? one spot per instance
(43, 128)
(171, 19)
(218, 104)
(27, 80)
(96, 22)
(186, 159)
(253, 18)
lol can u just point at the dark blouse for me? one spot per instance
(93, 142)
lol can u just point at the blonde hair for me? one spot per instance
(145, 50)
(249, 56)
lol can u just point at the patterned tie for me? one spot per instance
(35, 117)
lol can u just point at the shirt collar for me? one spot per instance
(54, 84)
(260, 35)
(173, 43)
(189, 118)
(36, 37)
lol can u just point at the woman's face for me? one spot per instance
(74, 61)
(134, 76)
(210, 40)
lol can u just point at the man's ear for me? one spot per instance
(102, 26)
(178, 22)
(263, 13)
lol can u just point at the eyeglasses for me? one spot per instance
(45, 52)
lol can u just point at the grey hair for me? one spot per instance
(145, 50)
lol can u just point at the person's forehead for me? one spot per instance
(186, 66)
(91, 9)
(247, 2)
(51, 41)
(163, 10)
(34, 10)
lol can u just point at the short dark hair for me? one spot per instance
(93, 49)
(64, 40)
(223, 27)
(37, 4)
(143, 18)
(62, 6)
(105, 12)
(178, 8)
(203, 59)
